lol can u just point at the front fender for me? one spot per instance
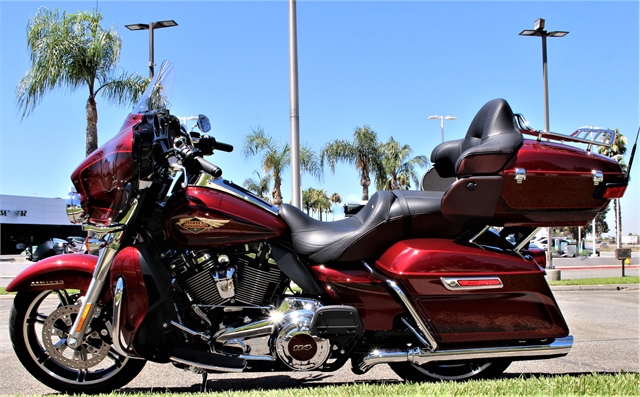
(56, 272)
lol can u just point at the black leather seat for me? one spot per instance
(329, 241)
(391, 216)
(491, 140)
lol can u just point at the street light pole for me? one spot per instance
(151, 26)
(442, 119)
(294, 117)
(538, 30)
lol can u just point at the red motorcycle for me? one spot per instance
(197, 271)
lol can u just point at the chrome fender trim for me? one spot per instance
(557, 348)
(116, 336)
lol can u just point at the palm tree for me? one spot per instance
(69, 51)
(335, 199)
(276, 158)
(398, 166)
(259, 186)
(363, 152)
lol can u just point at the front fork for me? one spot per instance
(114, 235)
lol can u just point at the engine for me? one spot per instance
(233, 301)
(244, 276)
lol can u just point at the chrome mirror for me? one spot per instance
(203, 123)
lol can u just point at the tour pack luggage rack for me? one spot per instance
(587, 135)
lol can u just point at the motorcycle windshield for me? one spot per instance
(158, 93)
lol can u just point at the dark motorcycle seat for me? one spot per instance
(359, 236)
(491, 140)
(390, 216)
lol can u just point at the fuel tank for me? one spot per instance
(216, 212)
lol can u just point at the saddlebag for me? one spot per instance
(472, 295)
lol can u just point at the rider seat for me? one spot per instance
(391, 216)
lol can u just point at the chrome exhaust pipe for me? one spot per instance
(559, 347)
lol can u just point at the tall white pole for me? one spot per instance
(296, 194)
(593, 246)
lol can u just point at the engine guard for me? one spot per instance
(67, 271)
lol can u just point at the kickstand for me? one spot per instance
(203, 388)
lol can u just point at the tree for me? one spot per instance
(259, 186)
(363, 152)
(275, 158)
(69, 51)
(316, 200)
(601, 226)
(335, 198)
(398, 166)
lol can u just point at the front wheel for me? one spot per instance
(39, 324)
(451, 371)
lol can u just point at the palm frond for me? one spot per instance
(125, 89)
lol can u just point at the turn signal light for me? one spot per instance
(476, 283)
(614, 192)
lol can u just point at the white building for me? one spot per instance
(33, 220)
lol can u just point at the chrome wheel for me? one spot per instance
(39, 325)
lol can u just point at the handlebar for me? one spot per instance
(192, 159)
(208, 167)
(207, 144)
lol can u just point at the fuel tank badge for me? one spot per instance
(197, 225)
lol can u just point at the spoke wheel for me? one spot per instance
(39, 325)
(449, 371)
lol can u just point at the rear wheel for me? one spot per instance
(39, 324)
(449, 371)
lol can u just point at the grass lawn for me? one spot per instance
(621, 384)
(598, 281)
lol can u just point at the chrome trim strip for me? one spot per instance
(116, 335)
(432, 344)
(559, 347)
(256, 358)
(206, 366)
(527, 239)
(207, 180)
(453, 283)
(473, 239)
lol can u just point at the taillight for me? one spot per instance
(614, 192)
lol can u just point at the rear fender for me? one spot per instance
(68, 271)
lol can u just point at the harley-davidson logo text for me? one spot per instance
(197, 225)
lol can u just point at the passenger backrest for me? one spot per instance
(491, 140)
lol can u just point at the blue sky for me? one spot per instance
(386, 64)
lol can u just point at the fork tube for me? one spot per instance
(100, 273)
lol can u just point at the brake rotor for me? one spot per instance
(55, 331)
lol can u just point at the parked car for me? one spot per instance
(79, 245)
(51, 247)
(560, 245)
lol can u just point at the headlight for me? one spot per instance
(75, 212)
